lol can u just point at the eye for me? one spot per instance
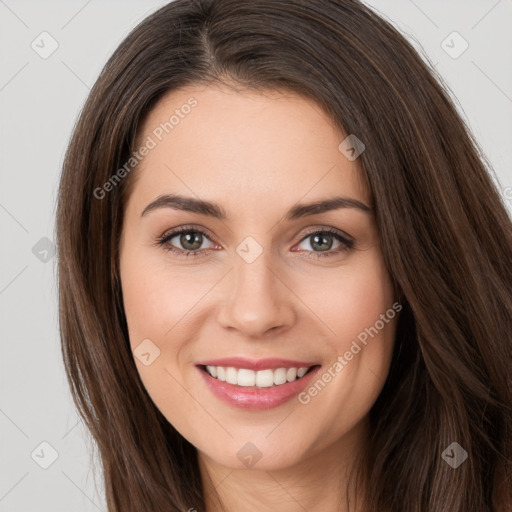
(321, 241)
(191, 239)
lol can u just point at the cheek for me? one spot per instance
(154, 298)
(349, 299)
(357, 306)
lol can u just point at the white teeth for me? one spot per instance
(231, 375)
(301, 372)
(291, 374)
(261, 378)
(264, 378)
(246, 377)
(212, 370)
(221, 373)
(280, 376)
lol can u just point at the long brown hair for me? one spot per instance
(445, 233)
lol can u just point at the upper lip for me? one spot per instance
(257, 364)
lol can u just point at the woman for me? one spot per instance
(284, 270)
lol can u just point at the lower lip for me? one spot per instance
(257, 398)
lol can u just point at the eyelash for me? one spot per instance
(163, 240)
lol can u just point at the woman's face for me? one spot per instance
(264, 290)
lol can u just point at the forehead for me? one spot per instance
(244, 148)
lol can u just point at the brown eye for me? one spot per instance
(321, 242)
(185, 241)
(190, 240)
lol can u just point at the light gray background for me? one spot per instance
(39, 101)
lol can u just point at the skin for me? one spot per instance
(257, 155)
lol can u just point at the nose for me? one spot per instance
(258, 299)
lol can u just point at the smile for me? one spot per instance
(262, 378)
(256, 385)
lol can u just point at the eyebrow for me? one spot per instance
(190, 204)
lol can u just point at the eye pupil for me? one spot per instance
(318, 237)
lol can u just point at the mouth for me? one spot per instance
(256, 385)
(266, 378)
